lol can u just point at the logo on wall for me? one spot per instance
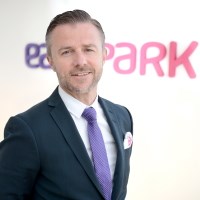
(125, 57)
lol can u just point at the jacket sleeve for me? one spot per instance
(19, 161)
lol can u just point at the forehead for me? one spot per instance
(77, 31)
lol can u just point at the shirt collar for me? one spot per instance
(74, 106)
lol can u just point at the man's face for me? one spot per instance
(77, 56)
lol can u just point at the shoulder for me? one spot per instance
(43, 106)
(40, 110)
(121, 112)
(114, 106)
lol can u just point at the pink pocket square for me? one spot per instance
(128, 140)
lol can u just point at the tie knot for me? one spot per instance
(89, 114)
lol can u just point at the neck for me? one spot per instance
(87, 98)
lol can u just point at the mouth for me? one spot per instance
(81, 74)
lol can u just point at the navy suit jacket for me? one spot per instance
(43, 157)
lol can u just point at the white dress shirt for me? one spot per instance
(76, 108)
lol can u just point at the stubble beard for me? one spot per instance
(72, 89)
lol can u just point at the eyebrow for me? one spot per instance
(64, 48)
(89, 45)
(69, 47)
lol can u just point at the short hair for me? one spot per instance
(72, 17)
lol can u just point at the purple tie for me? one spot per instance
(99, 155)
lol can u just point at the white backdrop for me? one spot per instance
(164, 99)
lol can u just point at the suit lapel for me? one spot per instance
(68, 128)
(118, 136)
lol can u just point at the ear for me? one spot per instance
(105, 52)
(50, 61)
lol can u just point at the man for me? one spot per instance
(47, 153)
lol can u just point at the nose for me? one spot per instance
(80, 59)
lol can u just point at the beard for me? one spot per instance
(71, 86)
